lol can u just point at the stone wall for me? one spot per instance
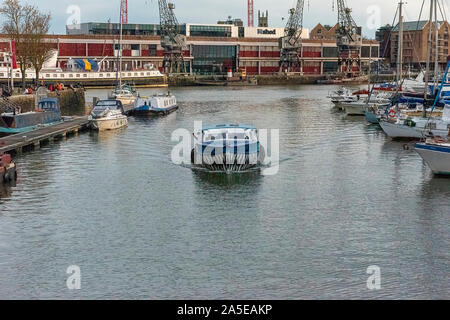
(72, 102)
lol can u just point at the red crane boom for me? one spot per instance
(124, 11)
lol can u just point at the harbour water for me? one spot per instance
(346, 197)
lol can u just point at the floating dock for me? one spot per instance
(34, 139)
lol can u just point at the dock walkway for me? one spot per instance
(18, 142)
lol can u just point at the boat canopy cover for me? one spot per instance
(404, 99)
(86, 64)
(49, 104)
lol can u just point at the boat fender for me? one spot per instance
(392, 113)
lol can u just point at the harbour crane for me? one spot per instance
(290, 44)
(172, 41)
(349, 42)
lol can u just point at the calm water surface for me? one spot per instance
(345, 198)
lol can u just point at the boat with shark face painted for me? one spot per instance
(227, 148)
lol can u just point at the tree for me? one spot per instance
(40, 50)
(16, 25)
(27, 27)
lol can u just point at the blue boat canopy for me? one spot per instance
(49, 104)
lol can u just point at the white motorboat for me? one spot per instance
(340, 96)
(436, 154)
(108, 115)
(359, 108)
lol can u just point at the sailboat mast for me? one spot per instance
(430, 43)
(436, 57)
(120, 48)
(400, 46)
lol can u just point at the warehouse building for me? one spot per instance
(210, 49)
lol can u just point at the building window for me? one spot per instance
(210, 31)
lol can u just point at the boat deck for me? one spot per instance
(33, 139)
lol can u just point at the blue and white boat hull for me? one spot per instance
(149, 110)
(155, 105)
(436, 156)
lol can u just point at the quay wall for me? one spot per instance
(71, 101)
(282, 79)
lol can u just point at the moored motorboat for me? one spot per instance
(227, 148)
(157, 104)
(340, 96)
(359, 108)
(47, 113)
(436, 154)
(107, 115)
(7, 169)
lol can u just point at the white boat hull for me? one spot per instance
(396, 130)
(438, 161)
(355, 109)
(109, 124)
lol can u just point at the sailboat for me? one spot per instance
(406, 124)
(122, 92)
(436, 154)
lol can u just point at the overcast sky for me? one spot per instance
(369, 14)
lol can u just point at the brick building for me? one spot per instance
(211, 49)
(415, 41)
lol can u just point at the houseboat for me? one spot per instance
(157, 104)
(47, 113)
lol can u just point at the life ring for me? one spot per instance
(392, 113)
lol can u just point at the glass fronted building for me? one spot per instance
(213, 59)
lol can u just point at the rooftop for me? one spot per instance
(413, 25)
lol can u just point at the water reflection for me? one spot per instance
(436, 186)
(103, 136)
(6, 190)
(227, 181)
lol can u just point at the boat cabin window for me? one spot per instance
(110, 104)
(48, 105)
(237, 134)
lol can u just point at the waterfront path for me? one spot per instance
(18, 142)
